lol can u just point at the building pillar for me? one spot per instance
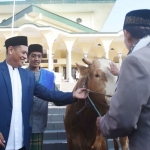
(50, 61)
(69, 44)
(85, 47)
(50, 38)
(106, 43)
(50, 56)
(120, 58)
(69, 68)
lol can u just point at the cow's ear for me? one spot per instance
(83, 70)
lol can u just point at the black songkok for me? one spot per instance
(35, 48)
(17, 40)
(137, 18)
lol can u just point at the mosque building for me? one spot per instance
(68, 30)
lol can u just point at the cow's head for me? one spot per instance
(99, 77)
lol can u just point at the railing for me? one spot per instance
(57, 1)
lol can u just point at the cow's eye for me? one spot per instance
(96, 75)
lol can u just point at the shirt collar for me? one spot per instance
(33, 70)
(10, 67)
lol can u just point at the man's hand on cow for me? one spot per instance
(2, 141)
(114, 69)
(98, 122)
(81, 93)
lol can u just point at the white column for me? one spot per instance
(52, 62)
(106, 43)
(69, 68)
(50, 57)
(49, 60)
(120, 58)
(85, 47)
(50, 38)
(107, 52)
(69, 44)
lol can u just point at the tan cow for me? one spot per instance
(80, 118)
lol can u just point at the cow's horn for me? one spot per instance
(87, 61)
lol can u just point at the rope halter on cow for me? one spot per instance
(89, 102)
(85, 81)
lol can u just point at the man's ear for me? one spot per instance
(127, 35)
(10, 50)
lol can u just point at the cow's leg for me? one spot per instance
(70, 142)
(116, 144)
(99, 143)
(124, 143)
(77, 141)
(73, 144)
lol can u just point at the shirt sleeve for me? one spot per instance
(132, 94)
(44, 93)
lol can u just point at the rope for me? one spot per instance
(85, 80)
(98, 115)
(100, 93)
(87, 104)
(94, 107)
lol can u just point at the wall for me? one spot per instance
(2, 55)
(77, 58)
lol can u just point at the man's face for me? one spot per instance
(35, 59)
(18, 55)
